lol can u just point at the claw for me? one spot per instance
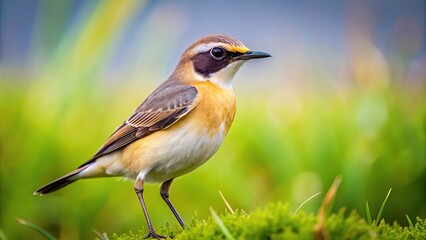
(152, 234)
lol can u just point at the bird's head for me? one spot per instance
(215, 58)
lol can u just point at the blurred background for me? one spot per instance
(344, 94)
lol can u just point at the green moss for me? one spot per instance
(277, 222)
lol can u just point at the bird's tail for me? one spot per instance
(60, 182)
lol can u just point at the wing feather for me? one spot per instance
(165, 106)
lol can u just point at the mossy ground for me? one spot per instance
(276, 221)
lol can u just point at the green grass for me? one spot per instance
(368, 213)
(379, 214)
(306, 201)
(222, 227)
(276, 221)
(37, 228)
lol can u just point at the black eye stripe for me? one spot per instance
(234, 54)
(206, 64)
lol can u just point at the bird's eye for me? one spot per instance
(217, 53)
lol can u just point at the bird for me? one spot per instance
(177, 128)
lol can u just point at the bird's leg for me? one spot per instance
(165, 193)
(139, 192)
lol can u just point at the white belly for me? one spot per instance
(160, 156)
(183, 152)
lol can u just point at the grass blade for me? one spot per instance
(379, 215)
(410, 223)
(368, 213)
(222, 226)
(101, 236)
(320, 230)
(244, 212)
(226, 203)
(36, 228)
(307, 200)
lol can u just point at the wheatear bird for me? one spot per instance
(177, 128)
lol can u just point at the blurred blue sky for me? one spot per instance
(294, 32)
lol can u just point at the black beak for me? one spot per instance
(251, 55)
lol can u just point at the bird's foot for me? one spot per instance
(152, 234)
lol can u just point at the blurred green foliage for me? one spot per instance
(286, 144)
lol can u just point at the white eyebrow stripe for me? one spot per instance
(207, 46)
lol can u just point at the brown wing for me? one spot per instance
(166, 105)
